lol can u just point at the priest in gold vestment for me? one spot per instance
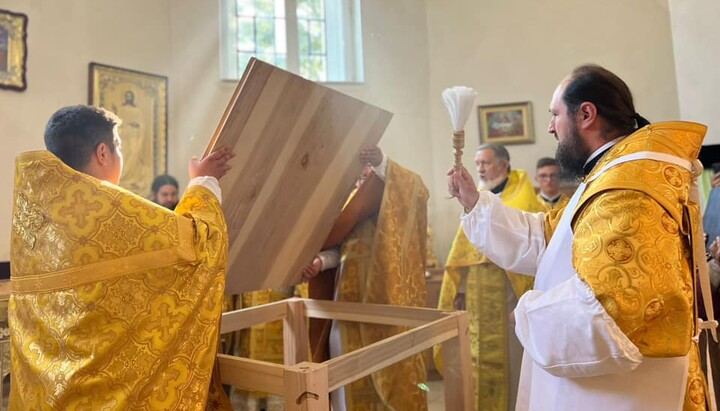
(382, 261)
(611, 320)
(115, 300)
(489, 293)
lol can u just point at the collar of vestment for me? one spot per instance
(551, 200)
(500, 187)
(598, 154)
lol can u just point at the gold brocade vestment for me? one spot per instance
(383, 262)
(632, 245)
(560, 203)
(115, 301)
(486, 302)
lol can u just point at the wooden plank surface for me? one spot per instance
(372, 313)
(458, 373)
(247, 317)
(297, 146)
(295, 334)
(306, 387)
(252, 375)
(366, 360)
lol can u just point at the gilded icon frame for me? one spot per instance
(509, 123)
(13, 50)
(140, 100)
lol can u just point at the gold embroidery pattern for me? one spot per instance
(144, 339)
(83, 215)
(383, 262)
(27, 220)
(640, 270)
(619, 250)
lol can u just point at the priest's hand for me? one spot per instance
(715, 249)
(462, 187)
(372, 156)
(215, 165)
(311, 270)
(715, 182)
(459, 302)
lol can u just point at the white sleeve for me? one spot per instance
(568, 333)
(381, 170)
(512, 239)
(209, 182)
(330, 258)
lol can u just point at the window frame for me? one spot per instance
(343, 53)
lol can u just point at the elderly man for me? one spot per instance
(489, 292)
(610, 323)
(547, 176)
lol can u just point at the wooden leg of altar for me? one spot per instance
(458, 374)
(321, 287)
(306, 387)
(295, 334)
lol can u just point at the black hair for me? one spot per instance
(546, 161)
(163, 180)
(610, 95)
(74, 132)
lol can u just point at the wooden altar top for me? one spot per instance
(297, 146)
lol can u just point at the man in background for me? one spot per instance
(165, 191)
(547, 176)
(116, 301)
(474, 283)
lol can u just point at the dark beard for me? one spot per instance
(572, 155)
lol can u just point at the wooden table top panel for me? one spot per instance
(297, 145)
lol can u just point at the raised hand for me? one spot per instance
(715, 249)
(715, 182)
(372, 156)
(311, 270)
(215, 165)
(462, 187)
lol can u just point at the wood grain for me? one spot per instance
(297, 146)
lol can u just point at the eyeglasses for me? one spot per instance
(547, 176)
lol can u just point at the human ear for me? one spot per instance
(102, 153)
(587, 113)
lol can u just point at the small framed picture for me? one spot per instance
(509, 123)
(140, 100)
(13, 50)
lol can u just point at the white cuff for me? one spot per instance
(381, 170)
(330, 258)
(568, 333)
(209, 182)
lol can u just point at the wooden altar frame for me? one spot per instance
(305, 385)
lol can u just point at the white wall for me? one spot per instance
(696, 41)
(519, 50)
(396, 73)
(63, 37)
(513, 50)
